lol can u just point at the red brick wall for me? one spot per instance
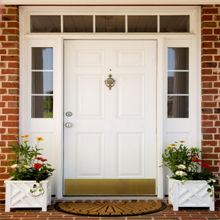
(9, 85)
(211, 86)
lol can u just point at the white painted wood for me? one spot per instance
(57, 139)
(18, 194)
(108, 2)
(190, 193)
(118, 137)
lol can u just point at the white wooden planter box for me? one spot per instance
(190, 193)
(18, 194)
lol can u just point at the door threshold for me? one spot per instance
(85, 197)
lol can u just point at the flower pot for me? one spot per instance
(190, 193)
(18, 194)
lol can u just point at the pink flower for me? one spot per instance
(43, 160)
(38, 158)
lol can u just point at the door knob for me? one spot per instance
(68, 125)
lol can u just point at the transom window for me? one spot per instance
(110, 23)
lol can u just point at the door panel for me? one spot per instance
(114, 131)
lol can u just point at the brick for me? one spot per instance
(207, 137)
(9, 71)
(13, 118)
(5, 176)
(2, 65)
(12, 24)
(9, 58)
(209, 156)
(206, 71)
(2, 11)
(2, 117)
(209, 78)
(209, 51)
(217, 123)
(207, 58)
(207, 149)
(209, 162)
(206, 31)
(207, 98)
(209, 117)
(217, 58)
(2, 104)
(207, 111)
(209, 143)
(9, 45)
(209, 130)
(206, 104)
(13, 51)
(207, 44)
(210, 38)
(13, 65)
(217, 150)
(9, 111)
(207, 18)
(217, 84)
(217, 44)
(13, 91)
(207, 85)
(10, 124)
(9, 98)
(13, 131)
(9, 18)
(9, 85)
(209, 91)
(210, 11)
(12, 11)
(2, 130)
(213, 169)
(2, 38)
(12, 38)
(209, 24)
(13, 78)
(3, 91)
(2, 51)
(217, 17)
(2, 24)
(207, 123)
(13, 104)
(217, 31)
(10, 31)
(217, 136)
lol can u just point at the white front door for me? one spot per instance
(113, 133)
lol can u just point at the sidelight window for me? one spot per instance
(178, 83)
(42, 82)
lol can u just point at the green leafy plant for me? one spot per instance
(185, 164)
(28, 165)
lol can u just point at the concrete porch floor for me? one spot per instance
(52, 214)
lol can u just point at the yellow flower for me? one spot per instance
(25, 141)
(27, 135)
(16, 135)
(39, 139)
(182, 141)
(168, 147)
(173, 144)
(22, 136)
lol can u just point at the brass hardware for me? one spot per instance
(109, 82)
(110, 187)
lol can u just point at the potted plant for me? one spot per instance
(191, 185)
(30, 183)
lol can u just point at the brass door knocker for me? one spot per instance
(109, 82)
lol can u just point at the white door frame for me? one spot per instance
(57, 42)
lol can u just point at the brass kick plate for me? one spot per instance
(110, 187)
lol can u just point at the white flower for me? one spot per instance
(180, 173)
(181, 166)
(14, 166)
(26, 166)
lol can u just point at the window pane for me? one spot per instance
(178, 107)
(174, 23)
(110, 23)
(42, 107)
(42, 82)
(178, 82)
(42, 58)
(178, 58)
(142, 23)
(42, 23)
(78, 23)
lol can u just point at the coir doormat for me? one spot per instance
(110, 209)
